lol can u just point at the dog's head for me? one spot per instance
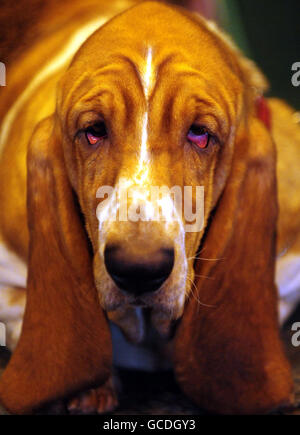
(149, 112)
(155, 105)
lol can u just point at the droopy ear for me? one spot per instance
(65, 344)
(228, 354)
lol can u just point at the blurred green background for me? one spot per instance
(267, 31)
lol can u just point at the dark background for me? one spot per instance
(273, 31)
(267, 31)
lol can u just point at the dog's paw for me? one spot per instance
(95, 401)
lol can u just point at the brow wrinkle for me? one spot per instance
(133, 65)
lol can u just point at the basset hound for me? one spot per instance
(155, 97)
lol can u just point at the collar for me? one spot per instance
(263, 111)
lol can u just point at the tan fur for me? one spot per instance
(228, 355)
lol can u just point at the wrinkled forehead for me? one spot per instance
(150, 37)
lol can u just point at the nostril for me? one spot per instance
(138, 275)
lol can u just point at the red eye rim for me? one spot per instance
(96, 133)
(198, 136)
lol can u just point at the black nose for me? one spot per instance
(138, 275)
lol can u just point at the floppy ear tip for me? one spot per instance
(216, 396)
(20, 391)
(65, 344)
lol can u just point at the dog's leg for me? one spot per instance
(105, 398)
(97, 400)
(150, 354)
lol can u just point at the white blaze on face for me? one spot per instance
(147, 80)
(147, 75)
(135, 198)
(142, 173)
(137, 189)
(141, 177)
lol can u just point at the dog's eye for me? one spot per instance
(199, 136)
(96, 133)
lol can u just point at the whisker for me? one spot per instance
(202, 250)
(205, 259)
(192, 294)
(195, 296)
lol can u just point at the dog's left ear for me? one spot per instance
(65, 345)
(228, 354)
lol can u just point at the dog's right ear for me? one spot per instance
(228, 354)
(65, 345)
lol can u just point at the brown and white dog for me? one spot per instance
(155, 97)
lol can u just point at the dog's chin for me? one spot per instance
(124, 310)
(115, 299)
